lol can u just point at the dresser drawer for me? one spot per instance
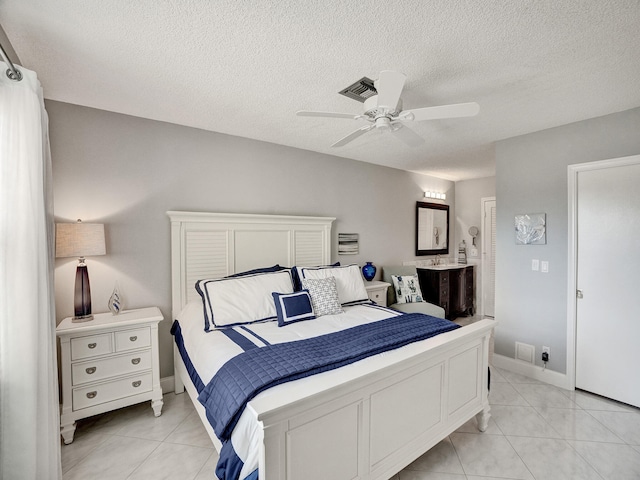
(91, 346)
(84, 397)
(130, 339)
(110, 367)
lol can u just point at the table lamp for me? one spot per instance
(80, 240)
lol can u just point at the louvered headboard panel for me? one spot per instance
(213, 245)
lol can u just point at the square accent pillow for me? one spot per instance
(293, 307)
(324, 295)
(407, 288)
(349, 282)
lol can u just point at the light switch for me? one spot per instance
(474, 252)
(544, 266)
(535, 264)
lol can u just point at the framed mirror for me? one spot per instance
(432, 229)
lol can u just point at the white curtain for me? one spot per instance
(29, 415)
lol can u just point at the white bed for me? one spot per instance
(369, 420)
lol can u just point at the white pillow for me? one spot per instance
(349, 281)
(407, 288)
(240, 300)
(324, 295)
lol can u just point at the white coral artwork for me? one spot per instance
(531, 229)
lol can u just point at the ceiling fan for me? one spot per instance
(384, 111)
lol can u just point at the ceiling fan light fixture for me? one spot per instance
(383, 123)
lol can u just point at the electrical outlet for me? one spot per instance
(545, 354)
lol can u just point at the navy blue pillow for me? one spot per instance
(275, 268)
(293, 307)
(297, 281)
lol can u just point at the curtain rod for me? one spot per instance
(12, 72)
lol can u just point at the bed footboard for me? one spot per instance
(373, 428)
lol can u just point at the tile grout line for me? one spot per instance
(587, 460)
(144, 459)
(88, 453)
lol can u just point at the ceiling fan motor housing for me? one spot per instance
(372, 111)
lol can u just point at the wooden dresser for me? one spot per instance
(450, 287)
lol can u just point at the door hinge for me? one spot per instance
(579, 294)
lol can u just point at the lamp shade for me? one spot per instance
(79, 239)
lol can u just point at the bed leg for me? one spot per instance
(483, 418)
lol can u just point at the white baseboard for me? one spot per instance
(528, 369)
(167, 384)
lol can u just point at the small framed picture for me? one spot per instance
(347, 244)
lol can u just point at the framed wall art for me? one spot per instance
(531, 229)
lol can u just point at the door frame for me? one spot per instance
(572, 258)
(484, 241)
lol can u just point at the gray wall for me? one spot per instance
(126, 172)
(531, 177)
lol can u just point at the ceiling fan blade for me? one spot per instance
(443, 111)
(306, 113)
(353, 135)
(408, 136)
(389, 87)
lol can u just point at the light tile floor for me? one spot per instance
(537, 432)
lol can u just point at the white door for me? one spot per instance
(607, 325)
(489, 257)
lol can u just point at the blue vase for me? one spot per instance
(369, 271)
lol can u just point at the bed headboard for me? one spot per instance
(214, 245)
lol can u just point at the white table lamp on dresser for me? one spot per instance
(108, 363)
(80, 240)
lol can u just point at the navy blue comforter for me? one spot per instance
(253, 371)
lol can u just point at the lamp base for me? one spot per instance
(82, 295)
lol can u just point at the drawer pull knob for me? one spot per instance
(92, 394)
(91, 370)
(135, 361)
(134, 338)
(137, 383)
(92, 345)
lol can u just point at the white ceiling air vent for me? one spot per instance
(361, 90)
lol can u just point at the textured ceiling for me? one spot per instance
(245, 67)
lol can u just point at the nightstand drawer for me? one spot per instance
(110, 367)
(91, 346)
(130, 339)
(89, 396)
(377, 291)
(379, 296)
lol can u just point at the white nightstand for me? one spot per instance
(377, 291)
(107, 363)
